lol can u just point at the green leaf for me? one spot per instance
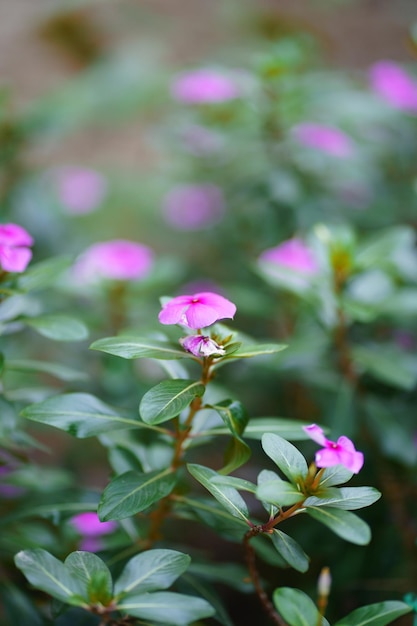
(297, 608)
(132, 492)
(237, 483)
(289, 460)
(45, 572)
(249, 351)
(94, 575)
(129, 347)
(387, 364)
(216, 517)
(336, 475)
(43, 274)
(343, 523)
(44, 367)
(58, 327)
(166, 607)
(285, 428)
(278, 492)
(290, 550)
(378, 614)
(168, 399)
(235, 416)
(79, 414)
(150, 571)
(227, 496)
(348, 498)
(236, 455)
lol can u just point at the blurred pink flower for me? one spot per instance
(192, 207)
(390, 81)
(204, 86)
(201, 141)
(197, 311)
(80, 190)
(118, 259)
(294, 254)
(327, 139)
(333, 453)
(200, 345)
(15, 254)
(88, 524)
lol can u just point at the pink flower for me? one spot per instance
(91, 528)
(191, 207)
(118, 259)
(294, 254)
(204, 86)
(333, 453)
(324, 138)
(80, 190)
(200, 345)
(197, 311)
(394, 85)
(15, 254)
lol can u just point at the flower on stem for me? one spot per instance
(204, 86)
(80, 190)
(394, 85)
(118, 259)
(89, 526)
(341, 452)
(15, 254)
(201, 345)
(327, 139)
(197, 311)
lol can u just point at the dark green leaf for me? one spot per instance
(378, 614)
(172, 609)
(129, 347)
(167, 399)
(79, 414)
(133, 492)
(297, 608)
(150, 571)
(344, 523)
(388, 364)
(290, 550)
(289, 460)
(233, 414)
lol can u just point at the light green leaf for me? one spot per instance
(249, 351)
(166, 607)
(93, 574)
(45, 572)
(132, 492)
(58, 327)
(290, 550)
(129, 347)
(167, 399)
(227, 496)
(237, 483)
(297, 608)
(44, 367)
(387, 364)
(150, 571)
(43, 274)
(343, 523)
(216, 517)
(289, 460)
(336, 475)
(348, 498)
(79, 414)
(279, 492)
(285, 428)
(378, 614)
(235, 416)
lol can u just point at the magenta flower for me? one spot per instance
(197, 311)
(118, 259)
(89, 525)
(204, 86)
(394, 85)
(80, 190)
(341, 452)
(327, 139)
(294, 254)
(15, 254)
(200, 345)
(191, 207)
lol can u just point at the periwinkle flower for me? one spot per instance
(80, 190)
(294, 254)
(202, 346)
(197, 311)
(394, 85)
(118, 259)
(15, 253)
(192, 207)
(89, 526)
(341, 452)
(327, 139)
(204, 86)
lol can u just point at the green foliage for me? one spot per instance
(168, 399)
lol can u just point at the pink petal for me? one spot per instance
(327, 457)
(224, 308)
(346, 444)
(316, 434)
(89, 525)
(353, 461)
(173, 314)
(199, 315)
(14, 235)
(14, 259)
